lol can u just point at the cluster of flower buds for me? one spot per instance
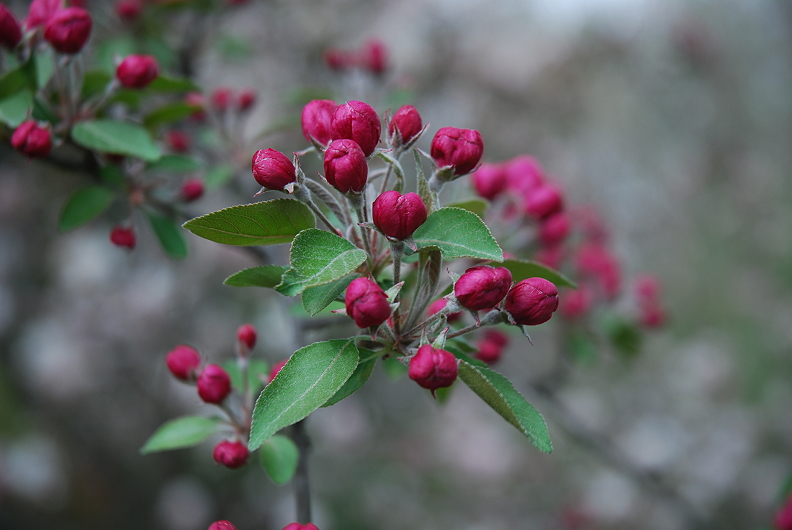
(66, 29)
(371, 57)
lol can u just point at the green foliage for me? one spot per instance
(393, 368)
(264, 276)
(116, 137)
(169, 236)
(175, 164)
(23, 77)
(316, 298)
(477, 206)
(279, 456)
(172, 85)
(257, 369)
(624, 336)
(15, 109)
(358, 378)
(182, 432)
(169, 113)
(522, 269)
(217, 176)
(457, 233)
(85, 205)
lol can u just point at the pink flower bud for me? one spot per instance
(222, 525)
(523, 174)
(652, 316)
(375, 57)
(245, 100)
(31, 140)
(355, 120)
(433, 368)
(192, 190)
(128, 10)
(276, 369)
(398, 216)
(183, 361)
(647, 289)
(532, 301)
(41, 11)
(221, 98)
(783, 518)
(137, 71)
(554, 229)
(338, 60)
(345, 166)
(439, 304)
(123, 237)
(460, 149)
(272, 169)
(482, 287)
(551, 256)
(178, 141)
(231, 454)
(246, 334)
(298, 526)
(490, 349)
(68, 29)
(576, 304)
(543, 201)
(316, 118)
(214, 384)
(490, 180)
(10, 30)
(595, 261)
(407, 122)
(367, 303)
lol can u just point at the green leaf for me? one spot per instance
(523, 268)
(428, 197)
(169, 113)
(314, 299)
(181, 432)
(498, 393)
(116, 137)
(176, 164)
(256, 369)
(279, 456)
(264, 276)
(459, 354)
(312, 376)
(95, 82)
(107, 50)
(393, 368)
(318, 257)
(358, 377)
(172, 85)
(260, 223)
(45, 67)
(112, 174)
(85, 205)
(457, 233)
(20, 78)
(42, 112)
(169, 235)
(477, 206)
(217, 176)
(15, 109)
(625, 336)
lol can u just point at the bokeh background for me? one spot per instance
(673, 118)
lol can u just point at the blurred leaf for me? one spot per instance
(311, 376)
(85, 205)
(264, 276)
(260, 223)
(442, 395)
(165, 55)
(180, 433)
(358, 377)
(279, 456)
(172, 112)
(20, 78)
(522, 269)
(116, 137)
(94, 82)
(175, 164)
(172, 85)
(459, 354)
(581, 347)
(16, 109)
(624, 336)
(393, 368)
(217, 176)
(129, 97)
(398, 98)
(457, 233)
(107, 51)
(233, 48)
(112, 174)
(314, 299)
(169, 235)
(256, 368)
(45, 67)
(477, 206)
(498, 393)
(42, 112)
(300, 96)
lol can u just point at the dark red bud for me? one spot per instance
(367, 303)
(214, 384)
(31, 140)
(482, 287)
(345, 166)
(192, 190)
(231, 454)
(439, 304)
(123, 237)
(10, 30)
(137, 71)
(316, 118)
(128, 10)
(490, 349)
(222, 525)
(68, 29)
(272, 169)
(245, 100)
(554, 229)
(433, 368)
(407, 122)
(532, 301)
(375, 57)
(298, 526)
(544, 201)
(358, 121)
(246, 334)
(41, 11)
(460, 149)
(179, 141)
(276, 369)
(221, 98)
(398, 216)
(183, 361)
(490, 180)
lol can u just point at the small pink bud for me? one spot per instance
(272, 169)
(358, 121)
(231, 454)
(367, 303)
(490, 349)
(554, 229)
(338, 60)
(183, 361)
(222, 525)
(543, 201)
(576, 304)
(345, 166)
(433, 368)
(375, 57)
(482, 287)
(68, 29)
(128, 10)
(653, 316)
(398, 216)
(532, 301)
(246, 100)
(31, 140)
(10, 30)
(276, 369)
(137, 71)
(41, 11)
(298, 526)
(460, 149)
(439, 304)
(523, 174)
(221, 98)
(123, 237)
(316, 118)
(647, 289)
(246, 334)
(490, 180)
(214, 384)
(178, 141)
(407, 122)
(192, 190)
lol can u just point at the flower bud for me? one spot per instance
(221, 98)
(407, 122)
(182, 362)
(276, 369)
(647, 289)
(298, 526)
(459, 149)
(652, 316)
(576, 303)
(433, 368)
(374, 57)
(214, 384)
(491, 347)
(551, 256)
(398, 216)
(68, 29)
(345, 166)
(482, 287)
(489, 180)
(367, 303)
(543, 201)
(523, 174)
(338, 60)
(595, 261)
(783, 518)
(231, 454)
(532, 301)
(554, 229)
(245, 100)
(41, 11)
(128, 10)
(178, 141)
(246, 334)
(123, 237)
(316, 118)
(272, 169)
(137, 71)
(355, 120)
(222, 525)
(192, 190)
(31, 140)
(10, 30)
(439, 304)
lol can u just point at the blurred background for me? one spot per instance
(673, 119)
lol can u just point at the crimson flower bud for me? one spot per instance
(245, 100)
(367, 303)
(192, 189)
(532, 301)
(490, 180)
(433, 368)
(246, 334)
(182, 362)
(316, 118)
(554, 229)
(491, 347)
(523, 174)
(123, 237)
(10, 30)
(345, 166)
(298, 526)
(214, 384)
(222, 525)
(221, 98)
(178, 141)
(68, 29)
(137, 71)
(407, 122)
(231, 454)
(398, 216)
(576, 303)
(272, 169)
(41, 11)
(459, 149)
(543, 201)
(128, 10)
(439, 304)
(482, 287)
(358, 121)
(31, 140)
(276, 369)
(375, 57)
